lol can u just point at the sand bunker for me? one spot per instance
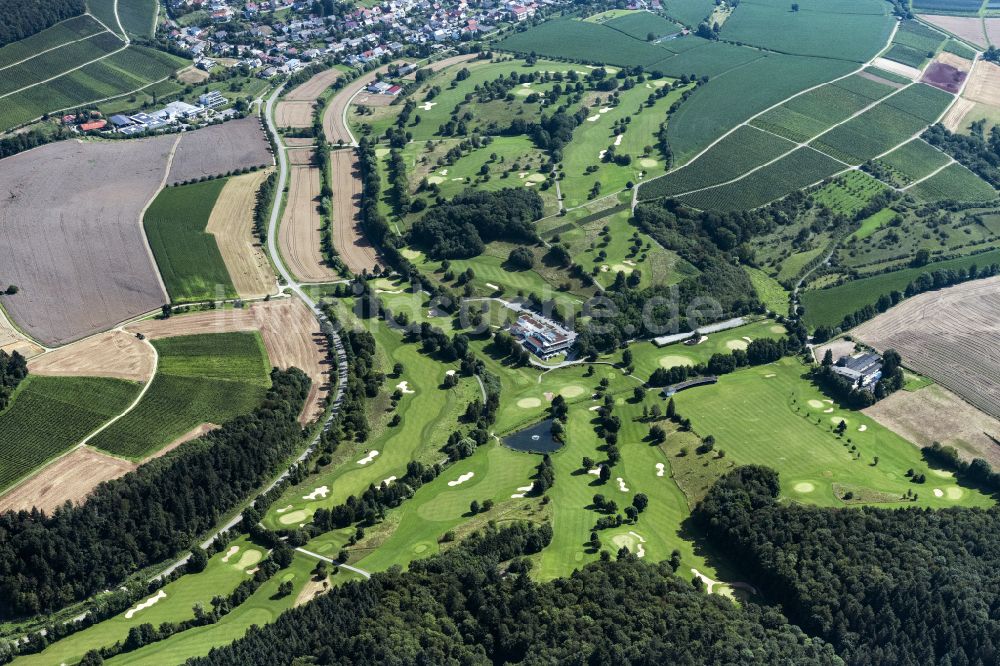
(674, 360)
(594, 118)
(283, 509)
(522, 492)
(594, 408)
(618, 139)
(803, 487)
(389, 479)
(462, 479)
(862, 428)
(229, 553)
(427, 106)
(769, 375)
(596, 471)
(404, 386)
(528, 403)
(736, 344)
(571, 391)
(368, 458)
(938, 492)
(319, 493)
(449, 373)
(145, 604)
(816, 404)
(492, 286)
(837, 419)
(621, 485)
(601, 154)
(661, 469)
(828, 410)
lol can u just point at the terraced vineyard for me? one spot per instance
(54, 37)
(912, 161)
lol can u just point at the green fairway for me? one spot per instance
(428, 411)
(188, 258)
(49, 415)
(224, 572)
(772, 415)
(209, 378)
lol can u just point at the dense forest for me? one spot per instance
(885, 586)
(13, 368)
(460, 228)
(148, 515)
(476, 604)
(23, 18)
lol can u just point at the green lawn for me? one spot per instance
(188, 258)
(49, 415)
(199, 379)
(769, 290)
(871, 224)
(772, 415)
(218, 578)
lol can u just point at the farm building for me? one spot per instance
(542, 336)
(863, 370)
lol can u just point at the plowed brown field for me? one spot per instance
(219, 149)
(114, 353)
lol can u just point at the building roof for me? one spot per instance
(860, 363)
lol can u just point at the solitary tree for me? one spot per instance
(474, 507)
(12, 289)
(795, 6)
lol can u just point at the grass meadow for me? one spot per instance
(769, 290)
(199, 379)
(49, 415)
(188, 257)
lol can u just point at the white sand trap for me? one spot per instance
(435, 180)
(528, 403)
(522, 174)
(938, 492)
(462, 479)
(404, 386)
(596, 471)
(449, 373)
(649, 86)
(640, 552)
(605, 268)
(828, 410)
(944, 474)
(229, 553)
(621, 485)
(828, 401)
(601, 154)
(368, 458)
(318, 493)
(618, 139)
(389, 479)
(530, 183)
(443, 172)
(427, 106)
(629, 262)
(736, 344)
(549, 395)
(594, 408)
(251, 572)
(492, 286)
(768, 376)
(648, 162)
(145, 604)
(526, 85)
(749, 340)
(954, 492)
(522, 492)
(803, 487)
(457, 180)
(604, 109)
(862, 428)
(293, 517)
(284, 509)
(673, 359)
(571, 391)
(593, 118)
(661, 469)
(816, 404)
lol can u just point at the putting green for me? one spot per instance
(571, 391)
(816, 404)
(954, 492)
(435, 180)
(943, 473)
(622, 268)
(736, 344)
(672, 360)
(803, 487)
(777, 328)
(536, 178)
(421, 548)
(249, 558)
(528, 403)
(647, 162)
(293, 517)
(412, 255)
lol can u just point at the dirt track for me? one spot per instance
(333, 117)
(231, 223)
(290, 332)
(69, 478)
(950, 335)
(299, 234)
(111, 354)
(354, 249)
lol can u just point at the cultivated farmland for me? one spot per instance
(199, 379)
(950, 335)
(955, 183)
(220, 149)
(913, 161)
(70, 30)
(188, 257)
(49, 415)
(805, 116)
(231, 222)
(354, 249)
(300, 233)
(114, 353)
(968, 28)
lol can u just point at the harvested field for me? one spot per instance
(443, 64)
(69, 478)
(333, 118)
(290, 332)
(951, 336)
(231, 223)
(935, 414)
(354, 249)
(294, 114)
(314, 87)
(299, 141)
(969, 28)
(944, 76)
(299, 235)
(192, 75)
(993, 30)
(984, 84)
(369, 99)
(300, 156)
(11, 339)
(74, 245)
(219, 149)
(110, 354)
(899, 68)
(954, 119)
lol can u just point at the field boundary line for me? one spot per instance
(56, 48)
(142, 216)
(951, 160)
(138, 398)
(68, 71)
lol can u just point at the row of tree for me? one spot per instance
(13, 368)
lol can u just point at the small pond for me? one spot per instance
(536, 439)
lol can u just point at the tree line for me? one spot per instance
(13, 368)
(884, 586)
(978, 152)
(149, 515)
